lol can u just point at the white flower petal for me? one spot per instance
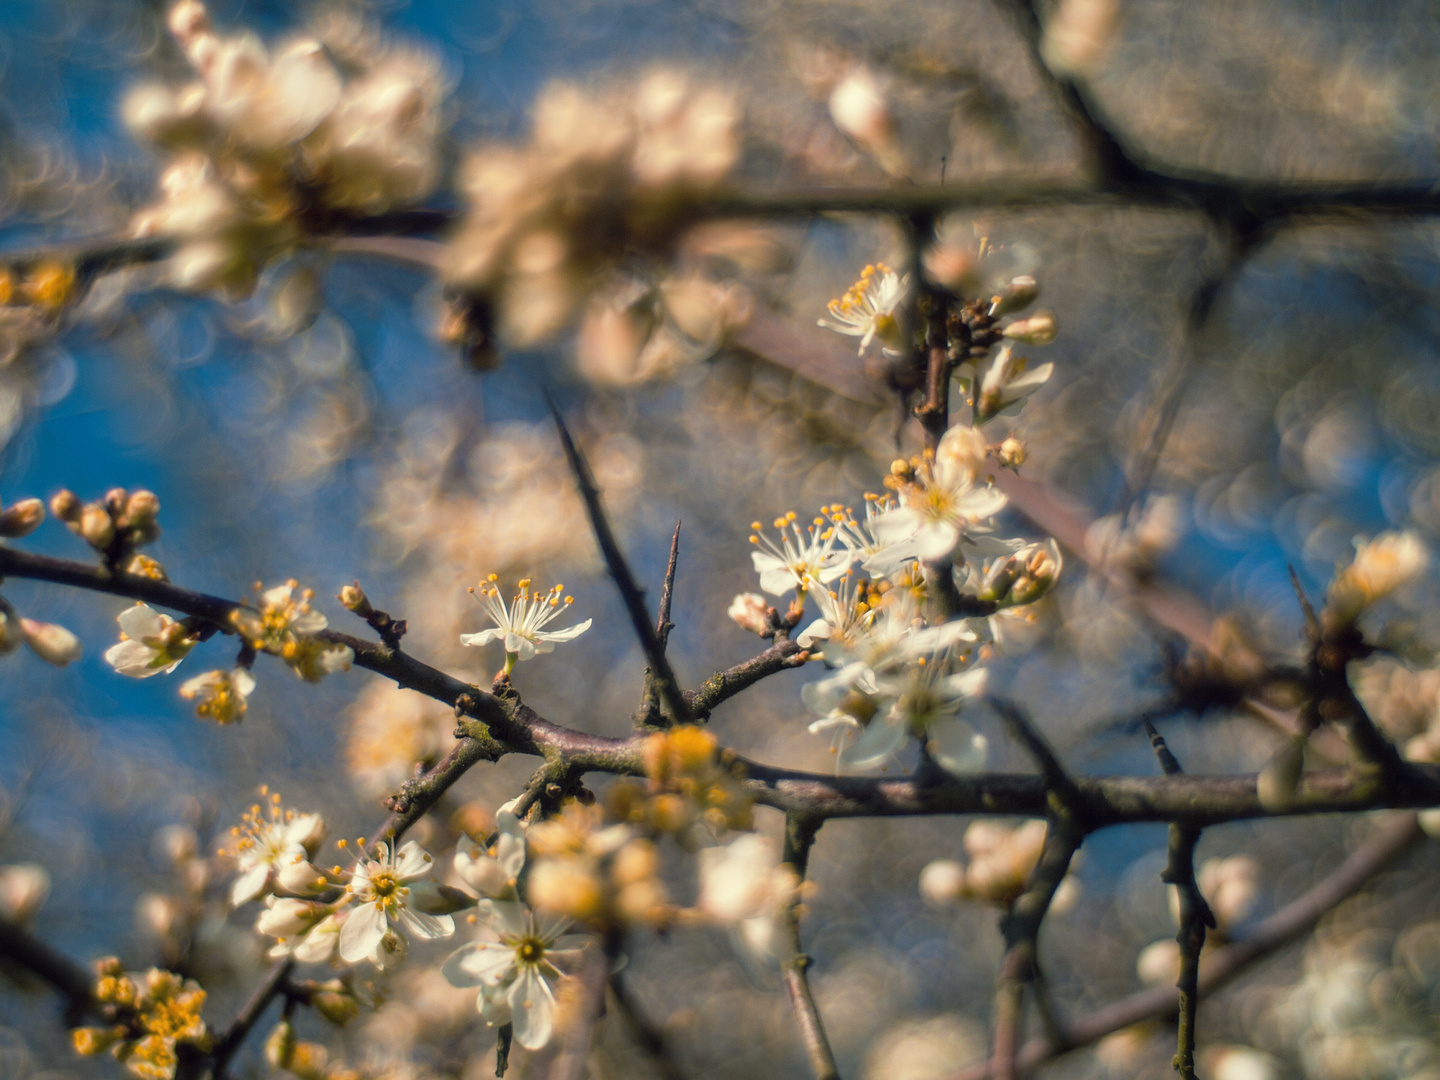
(481, 963)
(957, 747)
(881, 741)
(360, 936)
(532, 1009)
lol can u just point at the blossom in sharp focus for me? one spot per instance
(389, 893)
(877, 557)
(940, 501)
(219, 695)
(845, 613)
(926, 702)
(519, 624)
(867, 310)
(515, 971)
(150, 643)
(1007, 382)
(802, 559)
(1381, 566)
(273, 846)
(285, 626)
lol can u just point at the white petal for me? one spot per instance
(508, 917)
(882, 739)
(133, 658)
(361, 934)
(426, 927)
(141, 621)
(957, 747)
(570, 633)
(777, 582)
(481, 963)
(937, 539)
(817, 630)
(412, 861)
(967, 684)
(250, 884)
(532, 1009)
(484, 637)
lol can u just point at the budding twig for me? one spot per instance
(799, 835)
(620, 572)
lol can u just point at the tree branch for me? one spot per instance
(248, 1016)
(799, 835)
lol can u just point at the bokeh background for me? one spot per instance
(356, 446)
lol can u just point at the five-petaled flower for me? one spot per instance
(273, 846)
(150, 643)
(867, 310)
(389, 894)
(515, 970)
(803, 558)
(520, 624)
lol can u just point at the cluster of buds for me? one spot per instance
(282, 625)
(690, 782)
(604, 175)
(265, 146)
(1022, 577)
(115, 525)
(157, 1020)
(596, 873)
(284, 1049)
(1001, 859)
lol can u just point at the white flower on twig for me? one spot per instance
(867, 310)
(221, 694)
(520, 624)
(802, 559)
(150, 643)
(515, 970)
(389, 893)
(273, 846)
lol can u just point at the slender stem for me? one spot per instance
(630, 592)
(650, 1038)
(649, 700)
(799, 836)
(248, 1016)
(74, 983)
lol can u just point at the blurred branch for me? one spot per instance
(1390, 840)
(799, 836)
(73, 982)
(723, 685)
(646, 1034)
(248, 1016)
(660, 669)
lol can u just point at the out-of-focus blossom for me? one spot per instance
(1381, 566)
(23, 889)
(158, 1011)
(1077, 34)
(1022, 577)
(1006, 382)
(220, 695)
(51, 642)
(494, 871)
(861, 109)
(150, 643)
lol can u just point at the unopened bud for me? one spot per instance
(334, 1001)
(636, 861)
(11, 636)
(109, 966)
(1018, 295)
(89, 1041)
(141, 510)
(284, 918)
(158, 915)
(188, 19)
(1038, 329)
(97, 527)
(566, 886)
(53, 644)
(145, 566)
(1011, 453)
(942, 883)
(23, 888)
(1280, 778)
(21, 519)
(66, 506)
(300, 877)
(751, 612)
(353, 597)
(280, 1045)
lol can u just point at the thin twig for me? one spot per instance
(649, 1037)
(799, 836)
(248, 1016)
(1387, 843)
(650, 700)
(74, 983)
(624, 580)
(1066, 794)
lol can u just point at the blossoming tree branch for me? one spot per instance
(615, 223)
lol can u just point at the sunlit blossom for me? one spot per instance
(867, 310)
(803, 557)
(219, 695)
(150, 643)
(520, 624)
(389, 893)
(271, 842)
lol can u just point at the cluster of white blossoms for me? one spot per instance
(605, 175)
(267, 145)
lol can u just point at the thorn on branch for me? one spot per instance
(663, 674)
(1169, 765)
(650, 698)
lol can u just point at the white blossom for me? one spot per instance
(520, 623)
(515, 967)
(802, 559)
(150, 643)
(270, 841)
(867, 310)
(1381, 566)
(389, 893)
(925, 702)
(221, 694)
(493, 871)
(1006, 383)
(943, 502)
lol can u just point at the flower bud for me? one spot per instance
(97, 526)
(141, 510)
(145, 566)
(159, 915)
(1011, 453)
(752, 613)
(23, 888)
(354, 599)
(89, 1041)
(300, 877)
(284, 917)
(1018, 295)
(335, 1002)
(280, 1045)
(942, 883)
(53, 644)
(66, 506)
(1038, 329)
(188, 19)
(109, 967)
(566, 886)
(21, 519)
(1381, 566)
(1279, 779)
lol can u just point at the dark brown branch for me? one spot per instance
(630, 592)
(1195, 917)
(650, 700)
(1065, 795)
(248, 1016)
(799, 836)
(72, 981)
(1386, 844)
(723, 685)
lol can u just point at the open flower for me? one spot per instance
(285, 626)
(926, 703)
(520, 623)
(802, 559)
(845, 613)
(1007, 382)
(940, 501)
(221, 694)
(515, 970)
(1383, 565)
(493, 871)
(745, 886)
(867, 310)
(389, 893)
(878, 557)
(272, 843)
(150, 643)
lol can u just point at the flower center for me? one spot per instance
(384, 885)
(529, 950)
